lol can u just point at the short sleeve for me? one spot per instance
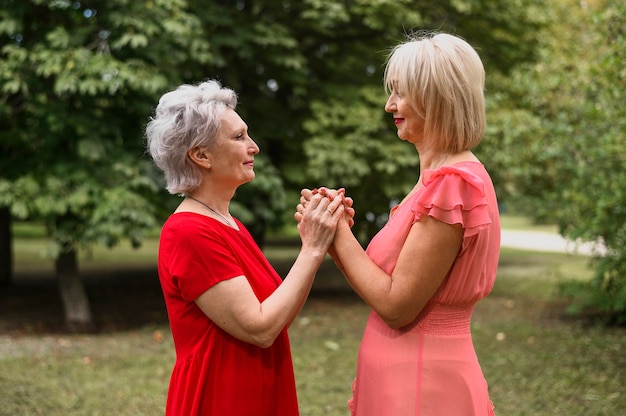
(200, 258)
(453, 196)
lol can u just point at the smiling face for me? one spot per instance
(436, 84)
(409, 123)
(232, 154)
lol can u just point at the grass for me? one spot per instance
(537, 359)
(516, 222)
(124, 373)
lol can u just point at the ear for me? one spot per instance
(200, 156)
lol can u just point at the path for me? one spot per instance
(543, 241)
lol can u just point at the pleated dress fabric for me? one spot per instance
(430, 367)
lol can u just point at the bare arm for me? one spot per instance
(425, 259)
(234, 307)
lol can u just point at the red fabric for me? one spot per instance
(215, 373)
(430, 368)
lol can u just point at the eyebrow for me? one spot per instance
(239, 130)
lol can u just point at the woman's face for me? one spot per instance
(232, 153)
(410, 125)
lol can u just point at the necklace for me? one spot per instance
(212, 210)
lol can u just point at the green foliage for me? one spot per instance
(352, 142)
(530, 114)
(351, 147)
(77, 85)
(79, 81)
(260, 203)
(596, 200)
(345, 157)
(563, 133)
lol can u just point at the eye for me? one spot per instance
(395, 90)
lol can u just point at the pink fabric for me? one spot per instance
(430, 368)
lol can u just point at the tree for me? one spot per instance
(594, 200)
(352, 142)
(78, 83)
(6, 248)
(563, 126)
(534, 111)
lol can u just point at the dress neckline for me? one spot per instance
(418, 186)
(198, 214)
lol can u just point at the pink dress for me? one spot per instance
(430, 368)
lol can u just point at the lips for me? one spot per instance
(397, 120)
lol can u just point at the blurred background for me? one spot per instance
(81, 203)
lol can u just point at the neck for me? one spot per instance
(214, 196)
(222, 217)
(433, 161)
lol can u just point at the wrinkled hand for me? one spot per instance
(318, 221)
(331, 194)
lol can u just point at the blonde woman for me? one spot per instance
(437, 255)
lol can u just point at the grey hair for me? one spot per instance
(185, 118)
(444, 79)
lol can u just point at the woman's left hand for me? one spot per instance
(307, 194)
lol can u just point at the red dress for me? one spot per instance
(430, 368)
(215, 373)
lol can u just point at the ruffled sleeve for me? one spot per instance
(453, 196)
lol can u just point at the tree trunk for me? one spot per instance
(78, 317)
(6, 247)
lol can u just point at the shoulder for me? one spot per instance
(457, 194)
(189, 227)
(468, 177)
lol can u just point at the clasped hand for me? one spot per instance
(331, 194)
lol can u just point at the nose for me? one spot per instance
(390, 105)
(254, 148)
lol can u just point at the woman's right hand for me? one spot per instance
(318, 221)
(307, 194)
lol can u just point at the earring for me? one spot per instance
(208, 166)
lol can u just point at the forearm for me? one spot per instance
(369, 281)
(366, 278)
(234, 307)
(282, 307)
(333, 254)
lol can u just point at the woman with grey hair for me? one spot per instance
(437, 255)
(228, 308)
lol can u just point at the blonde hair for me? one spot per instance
(187, 117)
(443, 78)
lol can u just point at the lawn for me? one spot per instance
(536, 358)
